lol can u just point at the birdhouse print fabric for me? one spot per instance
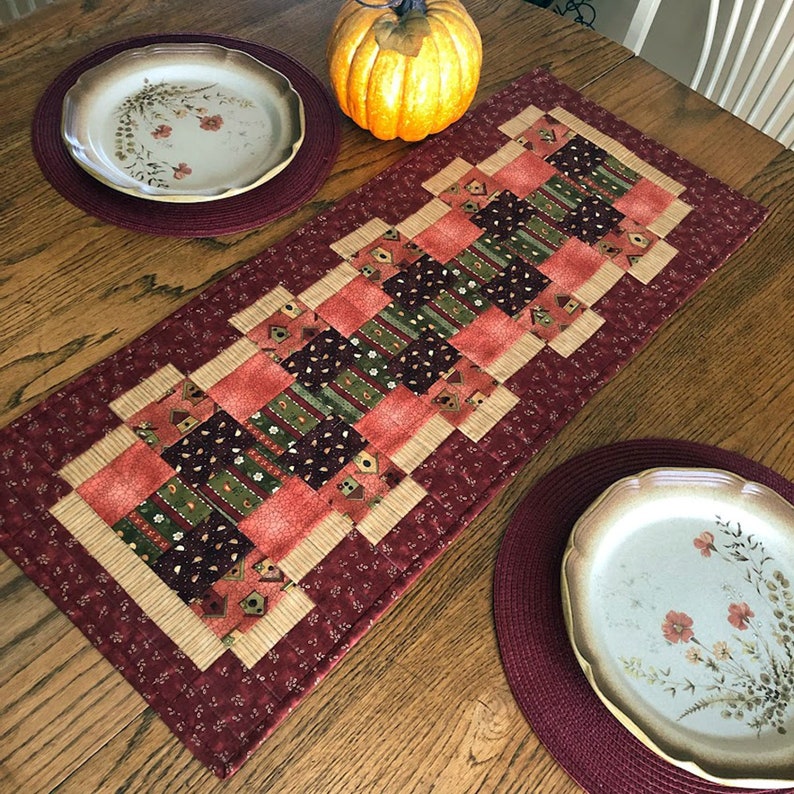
(228, 504)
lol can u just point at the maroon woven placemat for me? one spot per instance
(547, 682)
(229, 503)
(282, 194)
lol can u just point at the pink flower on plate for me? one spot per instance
(694, 655)
(182, 170)
(705, 542)
(212, 123)
(739, 614)
(163, 131)
(722, 651)
(677, 627)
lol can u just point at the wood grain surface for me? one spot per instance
(421, 704)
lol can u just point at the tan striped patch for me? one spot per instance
(582, 328)
(263, 308)
(523, 351)
(226, 362)
(93, 460)
(391, 510)
(427, 439)
(670, 218)
(351, 244)
(519, 124)
(652, 263)
(315, 547)
(422, 219)
(488, 413)
(447, 176)
(153, 388)
(333, 281)
(599, 283)
(250, 647)
(501, 158)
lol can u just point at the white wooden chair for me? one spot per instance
(751, 72)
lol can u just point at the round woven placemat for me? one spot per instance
(282, 194)
(546, 680)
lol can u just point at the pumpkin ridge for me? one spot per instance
(454, 21)
(364, 60)
(403, 95)
(463, 60)
(343, 48)
(420, 114)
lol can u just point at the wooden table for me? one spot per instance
(418, 705)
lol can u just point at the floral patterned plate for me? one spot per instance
(183, 122)
(679, 603)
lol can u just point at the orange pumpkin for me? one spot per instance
(406, 69)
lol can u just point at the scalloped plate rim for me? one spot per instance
(84, 155)
(690, 761)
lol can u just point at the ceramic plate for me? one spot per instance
(183, 122)
(678, 593)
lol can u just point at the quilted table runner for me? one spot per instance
(225, 506)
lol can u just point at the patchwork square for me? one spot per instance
(552, 311)
(386, 334)
(545, 136)
(578, 158)
(525, 174)
(502, 216)
(361, 485)
(471, 192)
(389, 253)
(394, 420)
(208, 448)
(202, 557)
(459, 392)
(358, 389)
(167, 418)
(321, 359)
(286, 330)
(454, 309)
(419, 283)
(161, 521)
(488, 337)
(557, 198)
(644, 202)
(422, 362)
(289, 516)
(288, 417)
(448, 236)
(514, 288)
(626, 243)
(591, 220)
(125, 482)
(251, 588)
(353, 305)
(252, 385)
(573, 264)
(322, 452)
(612, 179)
(536, 240)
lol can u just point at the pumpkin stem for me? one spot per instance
(400, 6)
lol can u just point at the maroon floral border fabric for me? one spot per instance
(225, 506)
